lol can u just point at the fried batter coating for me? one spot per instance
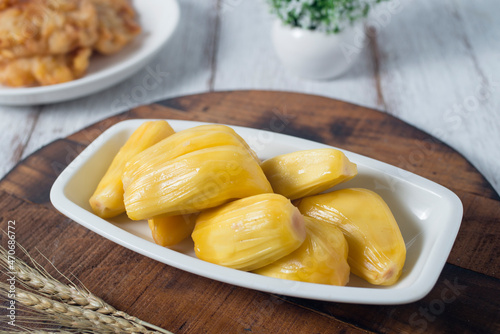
(46, 27)
(117, 25)
(7, 3)
(45, 70)
(46, 42)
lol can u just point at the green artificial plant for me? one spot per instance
(330, 16)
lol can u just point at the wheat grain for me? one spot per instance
(32, 320)
(42, 282)
(36, 332)
(82, 318)
(33, 332)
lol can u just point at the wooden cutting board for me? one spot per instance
(466, 298)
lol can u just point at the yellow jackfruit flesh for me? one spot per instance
(194, 181)
(304, 173)
(183, 142)
(107, 200)
(170, 230)
(377, 251)
(249, 233)
(321, 259)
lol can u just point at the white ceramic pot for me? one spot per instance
(316, 55)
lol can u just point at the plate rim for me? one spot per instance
(98, 81)
(415, 291)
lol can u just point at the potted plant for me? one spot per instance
(314, 38)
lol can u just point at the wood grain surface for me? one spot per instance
(464, 300)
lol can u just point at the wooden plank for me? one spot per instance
(443, 76)
(33, 178)
(16, 125)
(479, 234)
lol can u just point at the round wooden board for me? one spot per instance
(465, 298)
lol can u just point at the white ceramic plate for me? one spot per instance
(158, 20)
(428, 214)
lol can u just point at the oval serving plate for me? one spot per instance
(428, 215)
(158, 20)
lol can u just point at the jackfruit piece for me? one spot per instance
(183, 142)
(377, 251)
(321, 259)
(194, 181)
(249, 233)
(170, 230)
(107, 200)
(304, 173)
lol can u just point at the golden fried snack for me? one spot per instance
(46, 27)
(45, 70)
(117, 25)
(45, 42)
(7, 3)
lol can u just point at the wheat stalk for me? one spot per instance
(44, 323)
(35, 332)
(82, 318)
(40, 281)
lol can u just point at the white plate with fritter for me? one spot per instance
(429, 217)
(158, 20)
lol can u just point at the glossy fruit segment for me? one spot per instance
(377, 250)
(321, 259)
(170, 230)
(304, 173)
(194, 181)
(107, 200)
(249, 233)
(183, 142)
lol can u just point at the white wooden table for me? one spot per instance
(433, 64)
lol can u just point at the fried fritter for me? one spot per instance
(7, 3)
(117, 25)
(46, 42)
(46, 27)
(45, 70)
